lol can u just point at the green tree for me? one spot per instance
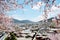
(12, 37)
(52, 24)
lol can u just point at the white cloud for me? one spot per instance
(38, 18)
(54, 8)
(15, 16)
(37, 6)
(54, 12)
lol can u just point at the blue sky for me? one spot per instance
(34, 14)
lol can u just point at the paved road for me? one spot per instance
(24, 39)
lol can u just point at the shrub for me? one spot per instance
(8, 38)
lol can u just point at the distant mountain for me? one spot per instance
(28, 21)
(50, 19)
(22, 21)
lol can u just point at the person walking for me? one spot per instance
(34, 36)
